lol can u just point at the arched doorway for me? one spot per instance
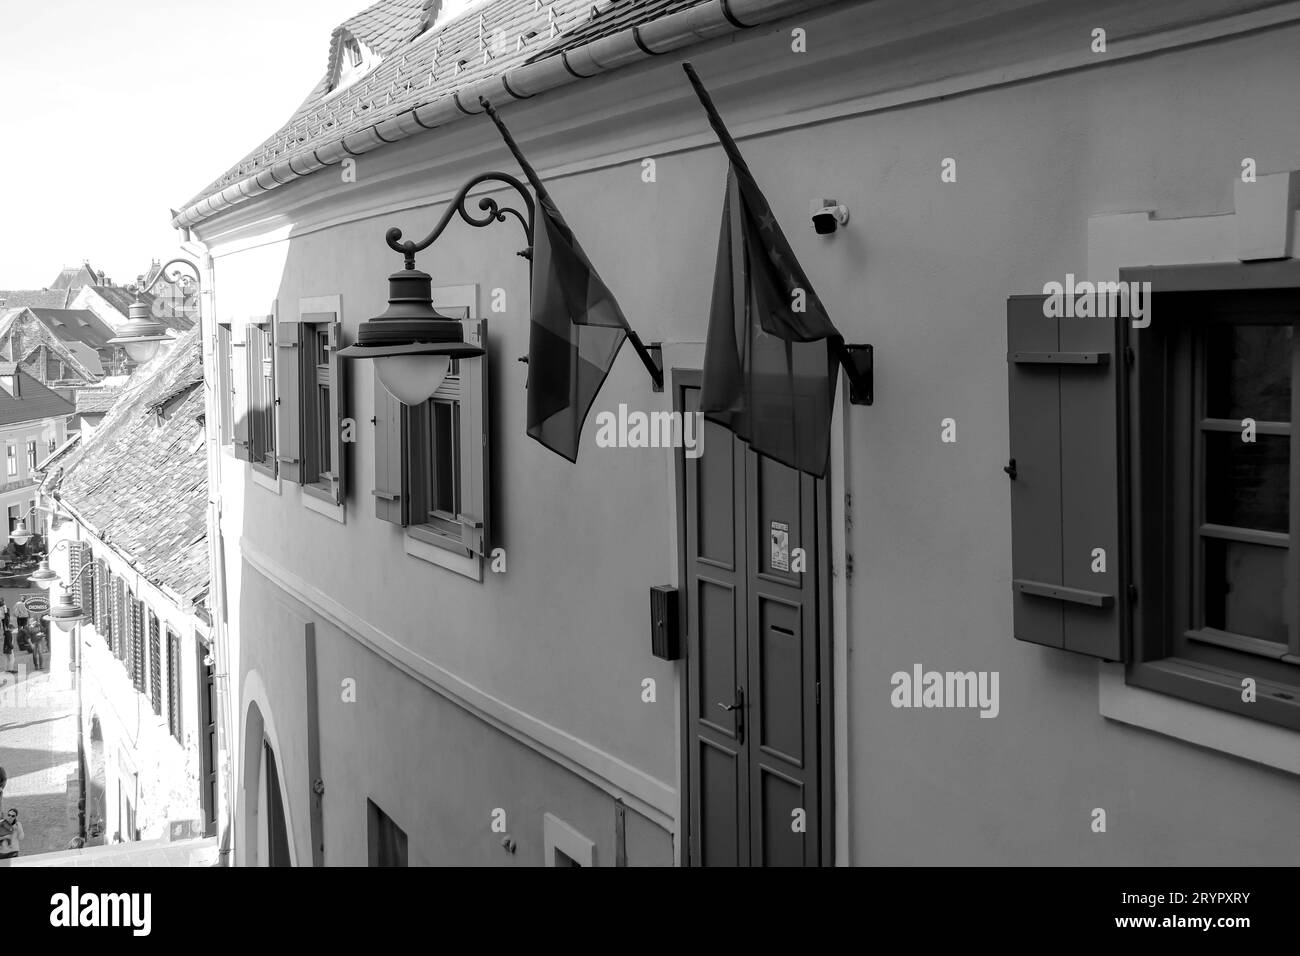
(266, 825)
(96, 787)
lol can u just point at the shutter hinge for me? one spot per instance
(1132, 594)
(1129, 356)
(848, 566)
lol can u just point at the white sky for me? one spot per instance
(112, 112)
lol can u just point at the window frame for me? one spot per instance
(224, 358)
(31, 455)
(11, 461)
(260, 342)
(322, 315)
(1166, 598)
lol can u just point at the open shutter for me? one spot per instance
(221, 354)
(391, 500)
(240, 383)
(338, 410)
(288, 400)
(475, 498)
(1065, 490)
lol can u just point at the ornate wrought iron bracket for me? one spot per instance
(492, 212)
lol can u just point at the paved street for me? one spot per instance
(38, 750)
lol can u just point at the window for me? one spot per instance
(174, 686)
(31, 454)
(312, 398)
(12, 460)
(53, 444)
(261, 397)
(155, 666)
(138, 649)
(1153, 471)
(431, 464)
(563, 846)
(122, 621)
(1225, 528)
(386, 839)
(79, 562)
(224, 358)
(103, 615)
(352, 49)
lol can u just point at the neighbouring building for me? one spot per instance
(49, 350)
(129, 507)
(435, 634)
(60, 294)
(33, 425)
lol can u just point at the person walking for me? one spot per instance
(8, 650)
(36, 640)
(21, 614)
(11, 835)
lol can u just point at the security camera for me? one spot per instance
(827, 215)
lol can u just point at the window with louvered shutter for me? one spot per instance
(137, 645)
(174, 685)
(86, 583)
(155, 666)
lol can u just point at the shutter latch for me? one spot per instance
(1010, 468)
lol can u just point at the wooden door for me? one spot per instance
(753, 542)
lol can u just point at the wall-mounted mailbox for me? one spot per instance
(665, 629)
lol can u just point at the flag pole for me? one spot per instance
(654, 368)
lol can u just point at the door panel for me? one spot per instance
(753, 731)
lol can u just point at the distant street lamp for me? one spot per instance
(43, 577)
(143, 333)
(20, 534)
(65, 612)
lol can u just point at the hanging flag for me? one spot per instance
(772, 354)
(576, 326)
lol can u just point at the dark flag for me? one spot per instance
(772, 355)
(576, 327)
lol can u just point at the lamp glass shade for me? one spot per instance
(142, 352)
(43, 577)
(20, 534)
(412, 379)
(65, 612)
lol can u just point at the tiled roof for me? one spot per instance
(36, 298)
(487, 41)
(93, 400)
(33, 402)
(74, 277)
(610, 18)
(22, 332)
(77, 325)
(121, 299)
(141, 481)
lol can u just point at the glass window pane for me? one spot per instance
(1245, 589)
(444, 425)
(1246, 483)
(1248, 372)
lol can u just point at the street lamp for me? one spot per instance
(412, 343)
(43, 577)
(20, 534)
(143, 334)
(65, 612)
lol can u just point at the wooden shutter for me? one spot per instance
(137, 645)
(288, 400)
(85, 583)
(155, 666)
(392, 502)
(174, 685)
(221, 357)
(241, 383)
(475, 484)
(338, 410)
(1065, 494)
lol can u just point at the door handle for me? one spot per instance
(739, 708)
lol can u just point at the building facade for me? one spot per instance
(436, 632)
(33, 425)
(129, 506)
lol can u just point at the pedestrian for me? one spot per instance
(11, 835)
(20, 612)
(4, 613)
(4, 778)
(36, 641)
(8, 650)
